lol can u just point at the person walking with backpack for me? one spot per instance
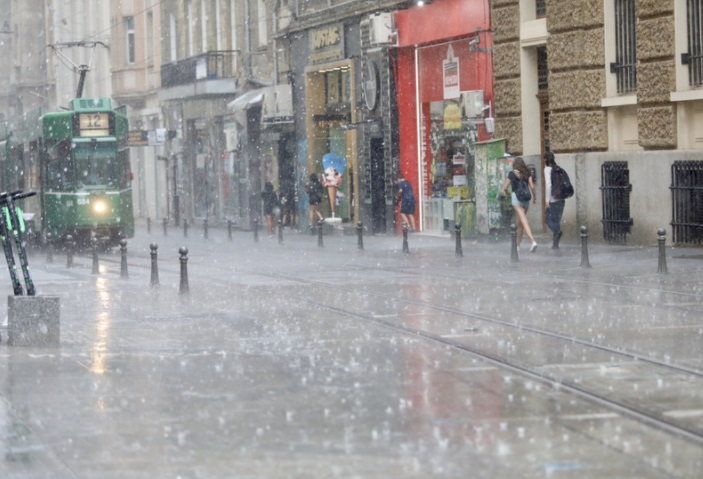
(520, 181)
(554, 205)
(272, 207)
(314, 190)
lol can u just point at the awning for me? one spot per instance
(246, 101)
(242, 103)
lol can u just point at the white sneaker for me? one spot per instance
(533, 247)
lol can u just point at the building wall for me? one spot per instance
(589, 121)
(135, 85)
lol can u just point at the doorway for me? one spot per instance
(378, 187)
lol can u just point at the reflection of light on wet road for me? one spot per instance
(98, 351)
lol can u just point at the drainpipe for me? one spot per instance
(274, 46)
(247, 38)
(247, 46)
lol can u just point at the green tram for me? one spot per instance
(78, 162)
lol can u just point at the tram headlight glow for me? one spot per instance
(99, 207)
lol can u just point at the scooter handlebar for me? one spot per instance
(15, 195)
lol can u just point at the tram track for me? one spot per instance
(637, 407)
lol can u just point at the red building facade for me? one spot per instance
(444, 86)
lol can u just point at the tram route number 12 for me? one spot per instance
(94, 124)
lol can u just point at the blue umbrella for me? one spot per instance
(330, 160)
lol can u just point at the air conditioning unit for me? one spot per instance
(378, 30)
(231, 136)
(278, 104)
(472, 101)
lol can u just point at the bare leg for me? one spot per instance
(269, 223)
(522, 216)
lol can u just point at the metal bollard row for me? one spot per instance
(184, 289)
(584, 248)
(661, 268)
(70, 245)
(154, 265)
(124, 274)
(360, 235)
(96, 263)
(406, 248)
(458, 251)
(513, 244)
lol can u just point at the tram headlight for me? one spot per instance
(99, 207)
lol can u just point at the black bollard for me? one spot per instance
(229, 230)
(184, 289)
(513, 244)
(185, 228)
(69, 251)
(360, 235)
(256, 230)
(661, 269)
(406, 249)
(165, 226)
(154, 266)
(205, 228)
(96, 264)
(49, 252)
(124, 274)
(280, 230)
(320, 242)
(148, 225)
(584, 248)
(457, 232)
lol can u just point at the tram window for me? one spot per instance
(59, 167)
(96, 165)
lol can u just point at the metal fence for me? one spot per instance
(687, 201)
(615, 190)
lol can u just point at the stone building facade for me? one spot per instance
(607, 119)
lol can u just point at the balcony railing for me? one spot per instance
(208, 66)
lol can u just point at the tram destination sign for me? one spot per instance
(93, 124)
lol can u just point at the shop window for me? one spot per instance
(338, 86)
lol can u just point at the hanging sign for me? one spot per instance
(451, 75)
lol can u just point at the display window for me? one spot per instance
(453, 109)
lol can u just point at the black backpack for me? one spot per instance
(561, 184)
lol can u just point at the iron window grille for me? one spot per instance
(615, 191)
(694, 57)
(542, 69)
(541, 8)
(687, 201)
(625, 66)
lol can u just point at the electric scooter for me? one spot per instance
(12, 222)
